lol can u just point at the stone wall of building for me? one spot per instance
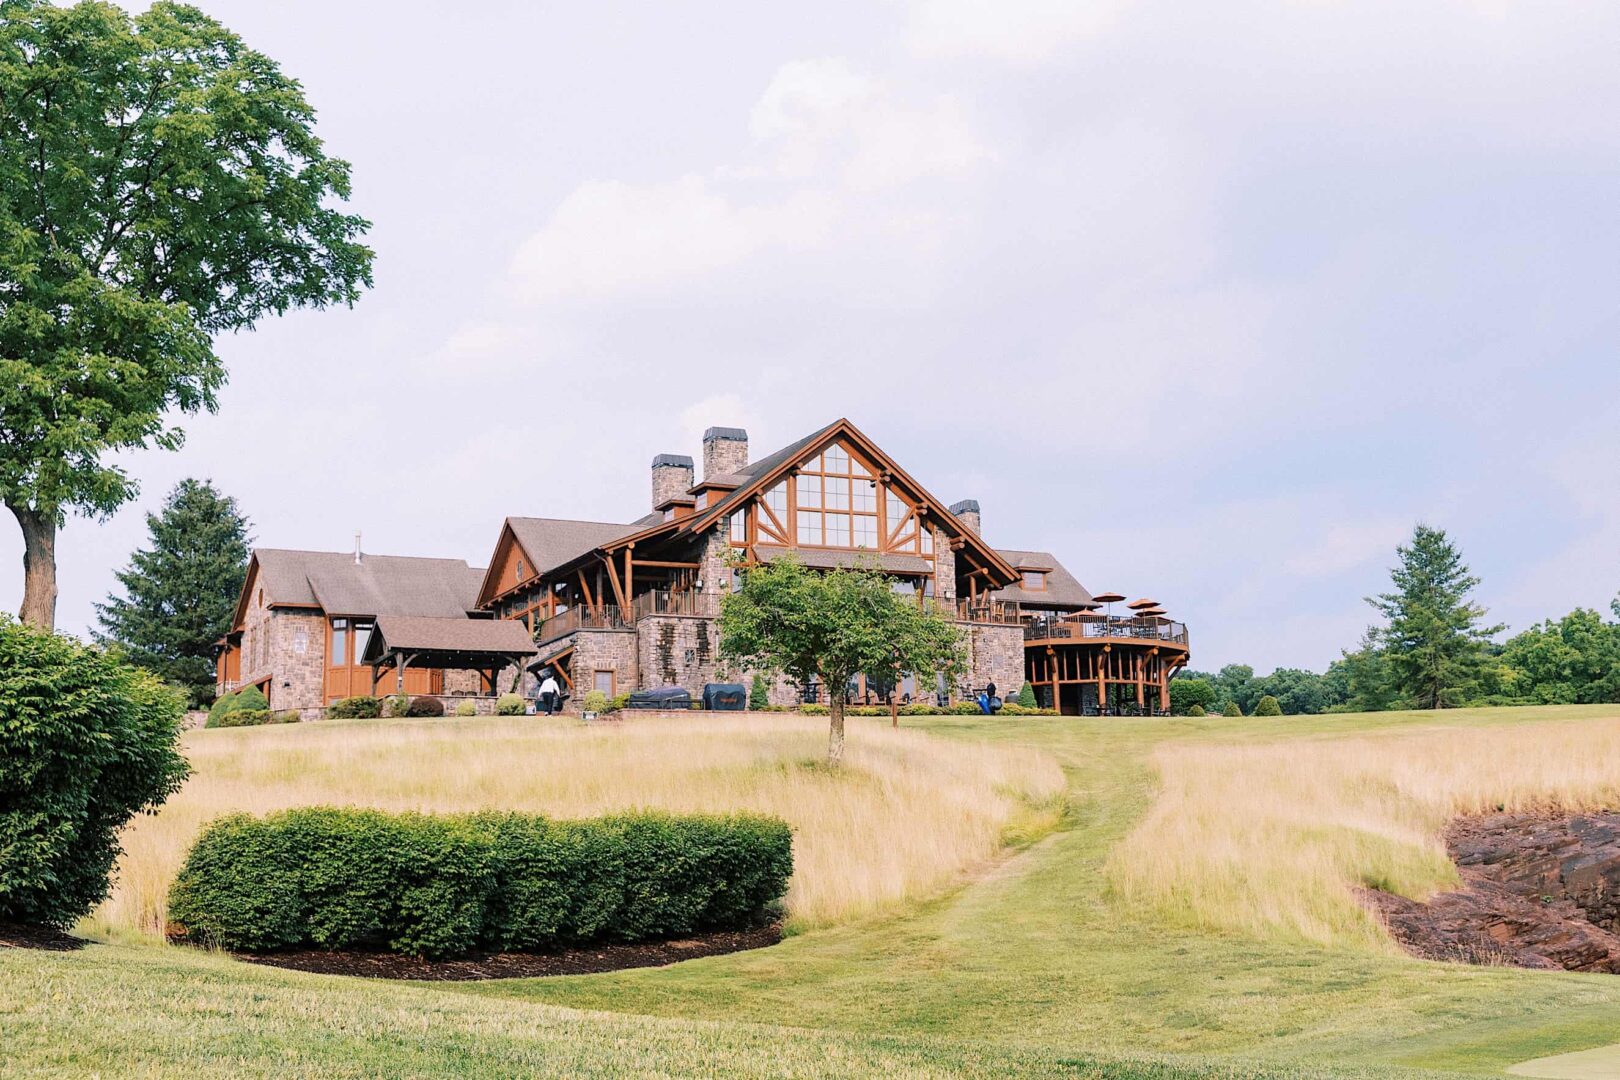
(287, 646)
(603, 650)
(677, 650)
(997, 655)
(944, 567)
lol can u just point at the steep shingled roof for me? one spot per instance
(377, 585)
(494, 637)
(551, 542)
(1062, 589)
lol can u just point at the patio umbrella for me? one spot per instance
(1109, 598)
(1150, 611)
(1138, 605)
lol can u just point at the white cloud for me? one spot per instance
(821, 110)
(1348, 545)
(1016, 31)
(609, 237)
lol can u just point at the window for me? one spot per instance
(362, 634)
(1035, 580)
(836, 500)
(340, 643)
(739, 527)
(604, 682)
(301, 640)
(738, 577)
(520, 574)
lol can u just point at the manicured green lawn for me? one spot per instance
(1032, 969)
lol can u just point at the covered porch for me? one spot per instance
(485, 646)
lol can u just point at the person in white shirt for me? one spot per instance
(549, 691)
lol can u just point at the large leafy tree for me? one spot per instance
(833, 626)
(1435, 639)
(160, 183)
(1573, 660)
(180, 592)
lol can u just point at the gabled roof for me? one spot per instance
(377, 585)
(766, 470)
(1062, 589)
(411, 633)
(549, 543)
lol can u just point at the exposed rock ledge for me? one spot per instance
(1540, 890)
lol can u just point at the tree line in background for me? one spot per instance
(1433, 651)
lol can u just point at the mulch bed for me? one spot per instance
(378, 965)
(18, 936)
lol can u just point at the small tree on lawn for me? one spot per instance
(1026, 696)
(1268, 706)
(832, 626)
(181, 592)
(759, 693)
(160, 183)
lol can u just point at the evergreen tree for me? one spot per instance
(1434, 645)
(182, 591)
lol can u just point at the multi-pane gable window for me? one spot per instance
(836, 501)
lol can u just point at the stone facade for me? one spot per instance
(671, 476)
(603, 650)
(944, 567)
(997, 656)
(285, 650)
(725, 450)
(678, 650)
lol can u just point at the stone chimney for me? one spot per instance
(671, 476)
(357, 555)
(725, 450)
(967, 512)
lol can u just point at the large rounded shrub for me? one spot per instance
(86, 742)
(1268, 706)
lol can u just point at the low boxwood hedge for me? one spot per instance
(449, 885)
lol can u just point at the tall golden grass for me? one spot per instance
(1270, 840)
(908, 814)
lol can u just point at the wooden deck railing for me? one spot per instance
(609, 617)
(1115, 627)
(675, 603)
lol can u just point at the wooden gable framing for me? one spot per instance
(983, 560)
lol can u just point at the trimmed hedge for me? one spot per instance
(250, 698)
(425, 706)
(252, 718)
(466, 708)
(510, 705)
(448, 885)
(355, 708)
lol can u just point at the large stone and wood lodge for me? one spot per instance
(634, 605)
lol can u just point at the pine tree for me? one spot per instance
(1434, 645)
(182, 591)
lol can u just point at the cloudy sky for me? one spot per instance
(1214, 301)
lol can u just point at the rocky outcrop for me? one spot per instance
(1540, 890)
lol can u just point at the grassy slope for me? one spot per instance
(1039, 955)
(1035, 960)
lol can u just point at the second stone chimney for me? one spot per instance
(725, 450)
(671, 476)
(967, 512)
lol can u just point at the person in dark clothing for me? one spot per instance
(990, 689)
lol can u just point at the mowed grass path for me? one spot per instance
(1035, 969)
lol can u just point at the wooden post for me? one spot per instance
(629, 582)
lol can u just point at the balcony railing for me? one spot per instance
(609, 617)
(989, 611)
(1110, 627)
(662, 602)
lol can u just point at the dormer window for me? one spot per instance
(1035, 580)
(520, 574)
